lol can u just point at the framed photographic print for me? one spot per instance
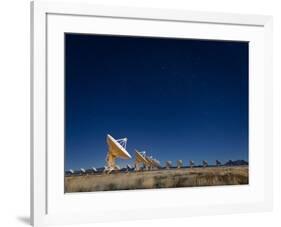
(131, 105)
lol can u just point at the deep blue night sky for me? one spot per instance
(174, 98)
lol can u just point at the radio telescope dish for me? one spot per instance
(140, 159)
(82, 171)
(168, 164)
(205, 163)
(218, 163)
(116, 149)
(151, 163)
(129, 167)
(156, 163)
(71, 171)
(149, 159)
(191, 163)
(179, 164)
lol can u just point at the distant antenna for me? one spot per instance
(218, 163)
(179, 164)
(150, 166)
(129, 167)
(71, 171)
(205, 163)
(153, 163)
(191, 163)
(156, 163)
(168, 164)
(141, 160)
(82, 171)
(116, 149)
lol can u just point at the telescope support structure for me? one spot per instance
(110, 162)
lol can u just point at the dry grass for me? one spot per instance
(172, 178)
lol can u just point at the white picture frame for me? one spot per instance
(49, 205)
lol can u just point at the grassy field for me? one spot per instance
(172, 178)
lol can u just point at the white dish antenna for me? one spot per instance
(140, 157)
(205, 163)
(141, 160)
(169, 164)
(82, 170)
(218, 162)
(149, 160)
(156, 163)
(69, 172)
(191, 163)
(179, 164)
(152, 162)
(116, 149)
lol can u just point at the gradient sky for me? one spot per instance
(174, 98)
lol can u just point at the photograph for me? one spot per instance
(154, 112)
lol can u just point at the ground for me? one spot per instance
(172, 178)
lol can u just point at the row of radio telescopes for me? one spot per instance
(117, 149)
